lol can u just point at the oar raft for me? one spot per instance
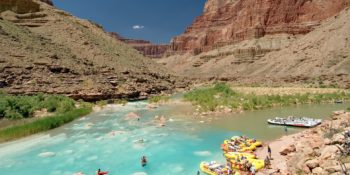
(239, 153)
(213, 168)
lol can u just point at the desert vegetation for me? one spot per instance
(159, 99)
(22, 106)
(223, 96)
(60, 110)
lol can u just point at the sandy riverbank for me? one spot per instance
(314, 151)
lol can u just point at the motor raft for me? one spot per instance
(295, 121)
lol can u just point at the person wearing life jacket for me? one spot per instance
(99, 172)
(143, 161)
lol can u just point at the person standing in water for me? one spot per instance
(143, 161)
(286, 130)
(198, 173)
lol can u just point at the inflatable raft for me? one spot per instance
(235, 155)
(214, 168)
(241, 164)
(295, 121)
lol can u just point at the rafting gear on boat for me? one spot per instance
(295, 121)
(238, 146)
(250, 141)
(213, 168)
(244, 164)
(235, 155)
(229, 148)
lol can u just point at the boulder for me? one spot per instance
(336, 173)
(306, 169)
(287, 150)
(329, 152)
(308, 151)
(336, 168)
(318, 171)
(338, 138)
(131, 116)
(338, 112)
(314, 163)
(327, 141)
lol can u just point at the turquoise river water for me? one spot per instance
(176, 149)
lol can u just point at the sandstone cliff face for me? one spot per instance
(320, 57)
(54, 52)
(146, 48)
(231, 21)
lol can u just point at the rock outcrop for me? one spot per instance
(230, 21)
(43, 49)
(19, 6)
(146, 48)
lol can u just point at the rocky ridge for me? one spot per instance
(146, 48)
(43, 49)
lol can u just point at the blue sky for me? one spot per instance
(154, 20)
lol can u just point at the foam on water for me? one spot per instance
(202, 153)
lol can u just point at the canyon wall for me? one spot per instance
(146, 48)
(230, 21)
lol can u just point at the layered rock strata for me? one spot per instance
(230, 21)
(146, 48)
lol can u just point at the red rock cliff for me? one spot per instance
(230, 21)
(144, 47)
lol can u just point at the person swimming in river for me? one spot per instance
(99, 172)
(143, 161)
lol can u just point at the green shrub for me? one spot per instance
(121, 101)
(42, 124)
(101, 103)
(210, 98)
(3, 106)
(21, 106)
(159, 98)
(65, 106)
(11, 114)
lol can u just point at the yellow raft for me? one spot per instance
(235, 155)
(207, 169)
(257, 163)
(242, 146)
(250, 141)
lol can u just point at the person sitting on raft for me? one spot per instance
(143, 161)
(99, 172)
